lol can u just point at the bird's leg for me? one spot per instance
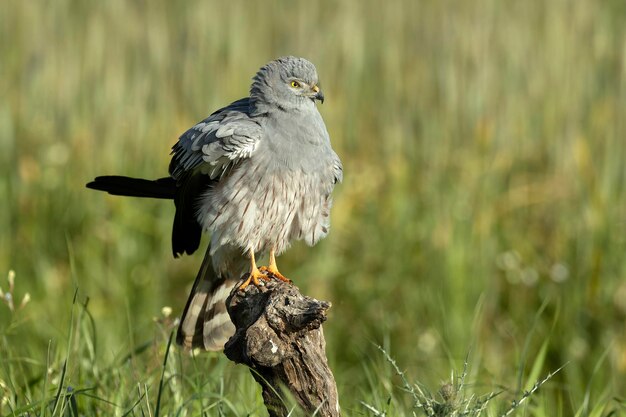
(254, 275)
(273, 269)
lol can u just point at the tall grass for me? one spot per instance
(483, 205)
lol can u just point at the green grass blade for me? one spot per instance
(538, 364)
(161, 381)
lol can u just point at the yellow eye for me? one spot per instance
(295, 84)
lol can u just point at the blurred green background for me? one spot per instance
(483, 208)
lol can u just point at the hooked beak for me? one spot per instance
(318, 94)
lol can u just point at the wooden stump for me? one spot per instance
(279, 337)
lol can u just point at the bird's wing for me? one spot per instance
(204, 154)
(337, 168)
(217, 143)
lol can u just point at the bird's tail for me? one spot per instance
(205, 323)
(135, 187)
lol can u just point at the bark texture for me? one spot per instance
(279, 337)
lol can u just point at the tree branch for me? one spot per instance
(279, 337)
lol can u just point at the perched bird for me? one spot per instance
(257, 175)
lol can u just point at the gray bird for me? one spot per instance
(257, 175)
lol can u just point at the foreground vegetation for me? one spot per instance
(483, 208)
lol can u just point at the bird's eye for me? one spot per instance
(295, 84)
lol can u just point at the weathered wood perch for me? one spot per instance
(279, 337)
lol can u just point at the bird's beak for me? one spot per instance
(318, 94)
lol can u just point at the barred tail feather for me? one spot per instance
(205, 322)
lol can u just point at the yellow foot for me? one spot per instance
(274, 272)
(254, 277)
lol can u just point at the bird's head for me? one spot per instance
(287, 83)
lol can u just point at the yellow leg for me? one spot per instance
(273, 269)
(254, 275)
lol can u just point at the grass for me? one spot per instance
(453, 398)
(483, 206)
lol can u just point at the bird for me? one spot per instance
(257, 175)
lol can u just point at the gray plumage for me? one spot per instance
(257, 175)
(272, 169)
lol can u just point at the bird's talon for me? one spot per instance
(275, 274)
(254, 279)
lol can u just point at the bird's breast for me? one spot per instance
(268, 201)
